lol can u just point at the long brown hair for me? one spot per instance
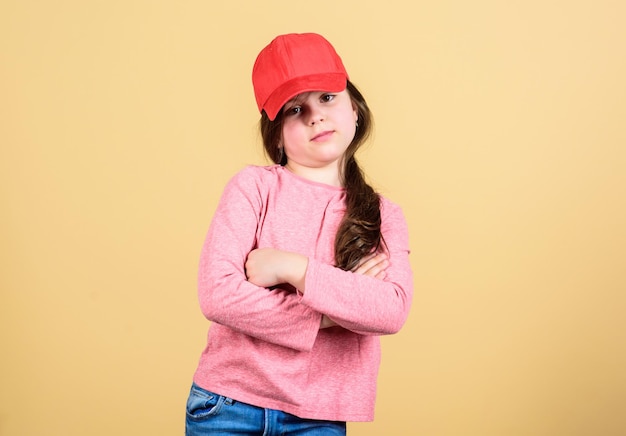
(359, 231)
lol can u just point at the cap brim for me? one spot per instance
(329, 82)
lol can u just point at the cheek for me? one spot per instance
(290, 134)
(349, 121)
(285, 137)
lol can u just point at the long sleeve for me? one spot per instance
(264, 347)
(363, 304)
(225, 295)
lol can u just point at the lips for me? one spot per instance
(322, 136)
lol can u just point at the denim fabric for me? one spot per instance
(209, 413)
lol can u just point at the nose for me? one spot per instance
(316, 114)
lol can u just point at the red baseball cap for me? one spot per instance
(292, 64)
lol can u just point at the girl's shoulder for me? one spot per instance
(258, 171)
(390, 211)
(255, 176)
(388, 205)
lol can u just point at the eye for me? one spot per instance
(327, 97)
(294, 110)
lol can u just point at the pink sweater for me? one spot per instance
(265, 347)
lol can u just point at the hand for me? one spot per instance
(327, 322)
(267, 267)
(373, 265)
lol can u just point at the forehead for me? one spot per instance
(304, 96)
(300, 98)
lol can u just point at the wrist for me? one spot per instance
(294, 270)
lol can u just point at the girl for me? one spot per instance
(304, 265)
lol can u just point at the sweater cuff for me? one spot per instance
(311, 282)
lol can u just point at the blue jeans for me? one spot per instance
(209, 414)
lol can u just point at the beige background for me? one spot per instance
(500, 130)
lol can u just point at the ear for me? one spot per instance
(355, 111)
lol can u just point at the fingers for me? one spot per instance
(365, 260)
(368, 262)
(373, 266)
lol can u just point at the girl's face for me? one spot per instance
(317, 128)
